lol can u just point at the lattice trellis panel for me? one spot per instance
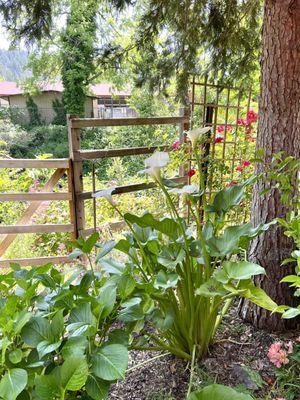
(229, 151)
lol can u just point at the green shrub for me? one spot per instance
(57, 333)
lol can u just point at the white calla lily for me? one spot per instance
(187, 189)
(154, 164)
(105, 193)
(194, 134)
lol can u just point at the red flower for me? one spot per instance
(246, 163)
(241, 122)
(221, 128)
(239, 168)
(252, 116)
(218, 139)
(191, 173)
(176, 144)
(232, 183)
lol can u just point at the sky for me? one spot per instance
(4, 42)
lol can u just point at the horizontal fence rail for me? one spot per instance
(27, 163)
(45, 228)
(95, 122)
(43, 196)
(110, 153)
(135, 187)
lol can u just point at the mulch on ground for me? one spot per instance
(236, 345)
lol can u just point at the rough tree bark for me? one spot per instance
(278, 130)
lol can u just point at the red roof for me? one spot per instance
(99, 90)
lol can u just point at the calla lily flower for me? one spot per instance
(154, 164)
(194, 135)
(106, 193)
(187, 189)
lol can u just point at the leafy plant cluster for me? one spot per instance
(190, 271)
(58, 338)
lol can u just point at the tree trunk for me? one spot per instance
(278, 130)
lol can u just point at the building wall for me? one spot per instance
(44, 102)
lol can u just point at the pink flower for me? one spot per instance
(191, 173)
(219, 139)
(277, 356)
(175, 145)
(246, 163)
(252, 116)
(221, 128)
(241, 122)
(239, 168)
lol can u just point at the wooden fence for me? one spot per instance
(10, 232)
(78, 156)
(211, 105)
(76, 195)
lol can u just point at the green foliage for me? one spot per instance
(60, 112)
(57, 334)
(78, 43)
(189, 273)
(33, 112)
(218, 392)
(215, 38)
(292, 229)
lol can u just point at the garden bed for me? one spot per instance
(237, 344)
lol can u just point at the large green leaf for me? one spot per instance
(82, 313)
(256, 295)
(57, 325)
(15, 356)
(218, 392)
(97, 388)
(12, 383)
(106, 300)
(81, 320)
(46, 387)
(227, 198)
(46, 347)
(132, 311)
(126, 285)
(167, 226)
(74, 373)
(111, 266)
(110, 362)
(75, 346)
(233, 238)
(165, 281)
(171, 256)
(291, 313)
(90, 242)
(242, 269)
(211, 288)
(36, 330)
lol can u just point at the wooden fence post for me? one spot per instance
(184, 127)
(76, 173)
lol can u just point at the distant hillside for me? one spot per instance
(12, 64)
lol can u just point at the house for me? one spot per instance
(102, 102)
